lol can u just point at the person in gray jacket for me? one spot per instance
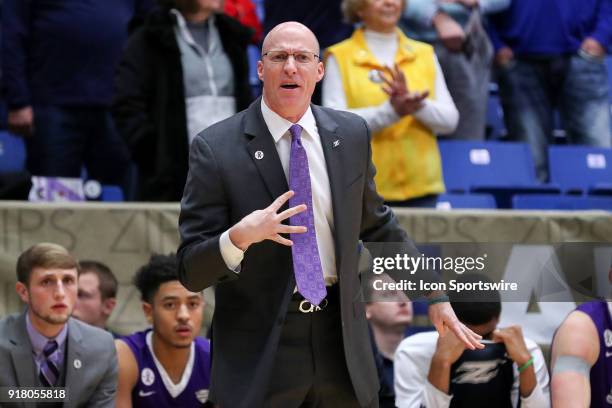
(45, 346)
(454, 28)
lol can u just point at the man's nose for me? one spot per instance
(290, 65)
(182, 313)
(60, 290)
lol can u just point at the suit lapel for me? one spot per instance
(334, 152)
(263, 151)
(21, 353)
(74, 362)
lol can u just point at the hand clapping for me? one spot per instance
(403, 101)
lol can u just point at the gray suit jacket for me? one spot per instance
(226, 183)
(90, 367)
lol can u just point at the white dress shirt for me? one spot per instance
(413, 389)
(319, 180)
(440, 115)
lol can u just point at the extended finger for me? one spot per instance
(281, 240)
(291, 229)
(387, 81)
(282, 199)
(463, 334)
(473, 337)
(399, 75)
(290, 212)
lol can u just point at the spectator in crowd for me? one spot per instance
(550, 54)
(167, 365)
(184, 70)
(436, 371)
(389, 314)
(97, 294)
(245, 12)
(58, 60)
(581, 371)
(322, 17)
(44, 346)
(464, 51)
(397, 86)
(249, 174)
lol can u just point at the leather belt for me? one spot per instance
(301, 305)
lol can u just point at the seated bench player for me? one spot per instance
(168, 364)
(438, 372)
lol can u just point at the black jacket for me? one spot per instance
(149, 105)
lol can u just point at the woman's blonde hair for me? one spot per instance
(350, 9)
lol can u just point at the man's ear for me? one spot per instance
(22, 291)
(260, 69)
(148, 311)
(108, 305)
(320, 71)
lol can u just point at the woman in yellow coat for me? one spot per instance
(397, 86)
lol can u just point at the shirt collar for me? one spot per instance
(279, 126)
(39, 341)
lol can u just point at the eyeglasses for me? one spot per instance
(301, 57)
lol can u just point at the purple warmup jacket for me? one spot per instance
(150, 391)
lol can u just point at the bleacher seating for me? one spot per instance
(581, 169)
(561, 202)
(111, 194)
(498, 168)
(450, 201)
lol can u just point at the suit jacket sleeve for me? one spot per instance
(105, 393)
(204, 217)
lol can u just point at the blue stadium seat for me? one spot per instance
(12, 153)
(451, 201)
(561, 202)
(581, 169)
(112, 194)
(498, 168)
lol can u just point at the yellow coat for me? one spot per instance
(406, 153)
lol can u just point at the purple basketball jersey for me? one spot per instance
(150, 390)
(601, 372)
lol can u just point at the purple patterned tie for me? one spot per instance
(49, 373)
(306, 261)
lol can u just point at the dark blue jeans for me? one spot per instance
(577, 85)
(67, 138)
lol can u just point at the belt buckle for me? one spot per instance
(307, 307)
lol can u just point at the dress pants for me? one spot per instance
(310, 369)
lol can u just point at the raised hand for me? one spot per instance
(443, 318)
(403, 101)
(267, 224)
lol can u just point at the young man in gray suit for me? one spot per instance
(44, 346)
(288, 330)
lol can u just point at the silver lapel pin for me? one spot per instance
(336, 143)
(259, 155)
(77, 363)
